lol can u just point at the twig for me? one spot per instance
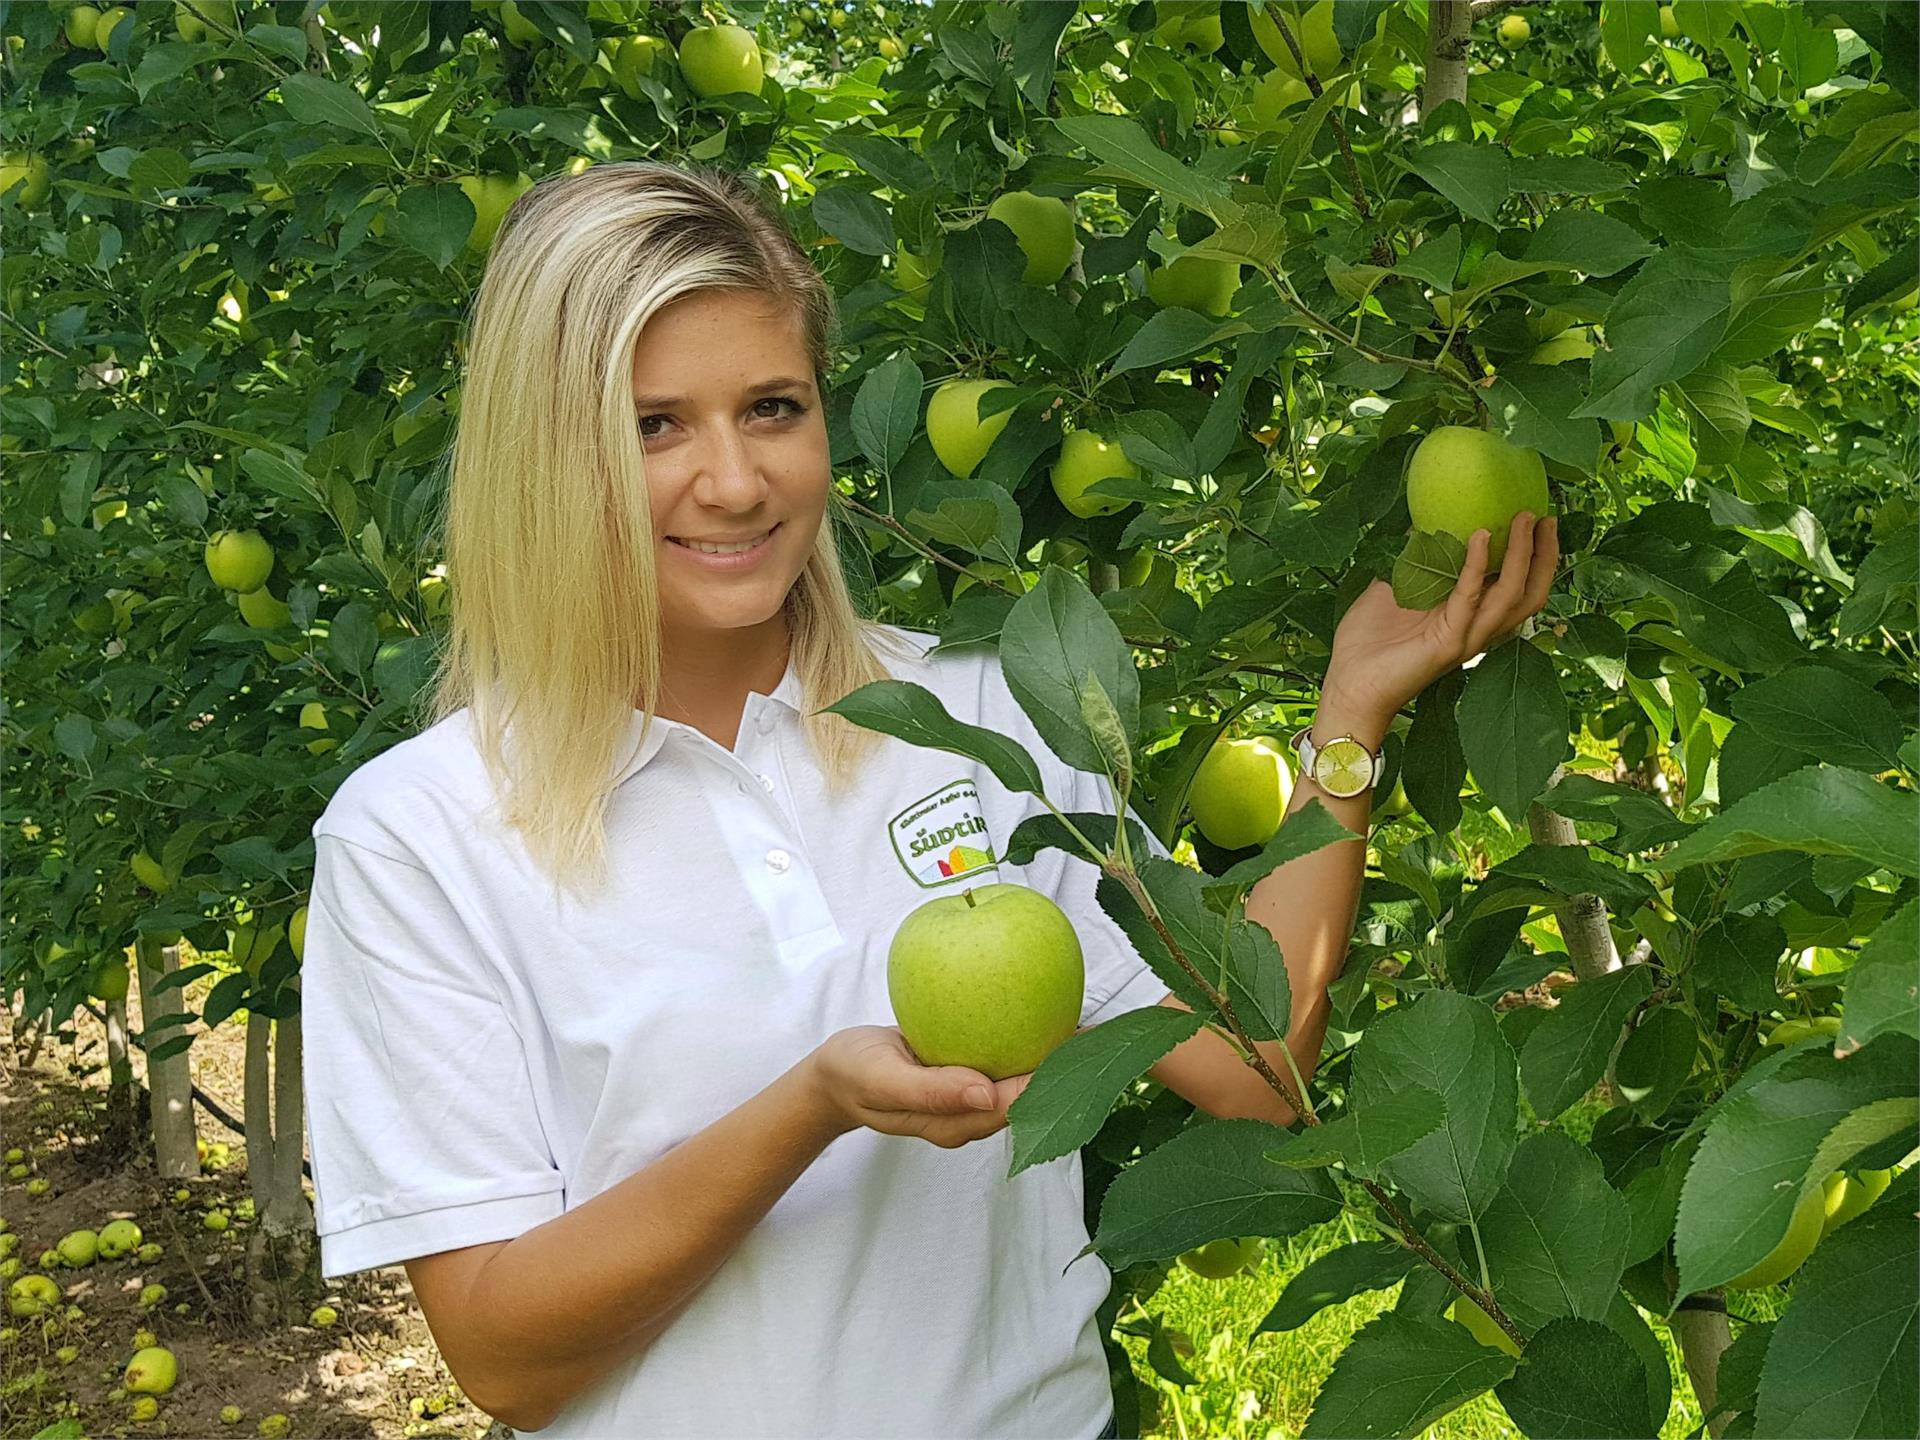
(1357, 188)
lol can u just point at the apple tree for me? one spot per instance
(1145, 309)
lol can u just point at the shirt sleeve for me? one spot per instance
(1118, 980)
(420, 1107)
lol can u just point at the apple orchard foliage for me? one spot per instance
(237, 306)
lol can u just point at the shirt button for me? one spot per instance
(778, 861)
(766, 783)
(766, 724)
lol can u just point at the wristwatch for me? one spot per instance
(1342, 767)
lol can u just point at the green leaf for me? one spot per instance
(915, 714)
(1887, 587)
(1045, 832)
(1843, 1358)
(1036, 45)
(856, 219)
(1823, 713)
(976, 515)
(1473, 177)
(354, 636)
(1335, 1277)
(1736, 956)
(888, 161)
(1070, 1095)
(886, 412)
(1450, 1044)
(1881, 986)
(1580, 1380)
(1664, 323)
(1434, 769)
(1209, 1182)
(1624, 1319)
(1364, 1138)
(1767, 315)
(1640, 820)
(435, 221)
(1572, 870)
(1567, 1052)
(1122, 145)
(1312, 827)
(1513, 725)
(1785, 528)
(1234, 953)
(1655, 1060)
(1730, 617)
(1775, 1135)
(1156, 443)
(1819, 809)
(1174, 334)
(1399, 1375)
(311, 100)
(1556, 1235)
(1426, 569)
(1534, 405)
(1566, 175)
(1716, 411)
(983, 269)
(1594, 243)
(1628, 28)
(1055, 635)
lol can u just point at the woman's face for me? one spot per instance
(736, 447)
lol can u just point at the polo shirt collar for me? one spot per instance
(787, 693)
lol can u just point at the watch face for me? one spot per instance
(1343, 767)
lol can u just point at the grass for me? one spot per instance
(1262, 1388)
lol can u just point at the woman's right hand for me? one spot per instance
(871, 1077)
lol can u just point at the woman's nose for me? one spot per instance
(729, 472)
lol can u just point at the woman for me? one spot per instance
(595, 976)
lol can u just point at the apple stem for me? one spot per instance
(967, 895)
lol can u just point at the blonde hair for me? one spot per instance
(548, 528)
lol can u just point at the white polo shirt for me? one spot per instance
(479, 1061)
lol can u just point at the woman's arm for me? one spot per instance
(527, 1324)
(1383, 656)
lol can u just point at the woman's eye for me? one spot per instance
(776, 407)
(652, 425)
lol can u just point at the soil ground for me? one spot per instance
(371, 1374)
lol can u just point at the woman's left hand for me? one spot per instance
(1383, 656)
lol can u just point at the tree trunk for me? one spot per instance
(1704, 1336)
(282, 1243)
(169, 1081)
(1583, 918)
(1449, 29)
(122, 1104)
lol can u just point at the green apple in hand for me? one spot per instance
(1461, 480)
(992, 978)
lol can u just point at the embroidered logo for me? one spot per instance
(942, 837)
